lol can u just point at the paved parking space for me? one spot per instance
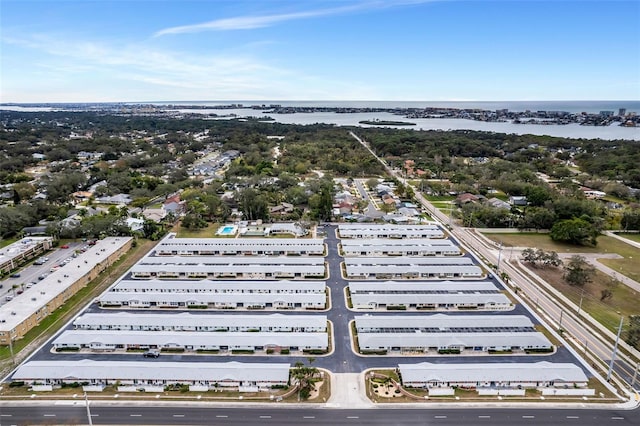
(30, 273)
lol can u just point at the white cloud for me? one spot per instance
(89, 71)
(251, 22)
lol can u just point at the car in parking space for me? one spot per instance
(151, 354)
(16, 275)
(64, 246)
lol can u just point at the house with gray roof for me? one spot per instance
(202, 376)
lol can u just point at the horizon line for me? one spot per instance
(314, 100)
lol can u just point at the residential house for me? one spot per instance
(498, 203)
(174, 205)
(518, 200)
(466, 198)
(281, 209)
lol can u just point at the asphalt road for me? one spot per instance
(176, 415)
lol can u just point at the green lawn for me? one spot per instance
(208, 232)
(439, 197)
(625, 300)
(628, 266)
(634, 237)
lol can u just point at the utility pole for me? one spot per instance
(615, 349)
(560, 322)
(499, 257)
(13, 359)
(86, 400)
(580, 305)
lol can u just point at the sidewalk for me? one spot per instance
(347, 391)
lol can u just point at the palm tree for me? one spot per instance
(304, 377)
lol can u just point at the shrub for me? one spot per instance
(396, 308)
(172, 350)
(242, 351)
(285, 351)
(68, 349)
(314, 351)
(449, 351)
(280, 387)
(16, 384)
(539, 351)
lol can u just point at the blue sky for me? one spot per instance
(404, 50)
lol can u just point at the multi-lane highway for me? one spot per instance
(222, 416)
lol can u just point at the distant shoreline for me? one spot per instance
(386, 123)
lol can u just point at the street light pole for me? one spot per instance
(615, 349)
(499, 257)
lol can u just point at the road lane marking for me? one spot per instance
(222, 417)
(178, 415)
(49, 415)
(573, 417)
(440, 417)
(484, 417)
(528, 417)
(309, 417)
(265, 417)
(353, 417)
(617, 418)
(135, 415)
(6, 415)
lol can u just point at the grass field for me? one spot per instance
(208, 232)
(436, 198)
(625, 300)
(628, 266)
(633, 237)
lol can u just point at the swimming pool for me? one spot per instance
(227, 230)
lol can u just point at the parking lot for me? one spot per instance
(29, 275)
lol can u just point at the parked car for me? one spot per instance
(151, 354)
(16, 275)
(64, 246)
